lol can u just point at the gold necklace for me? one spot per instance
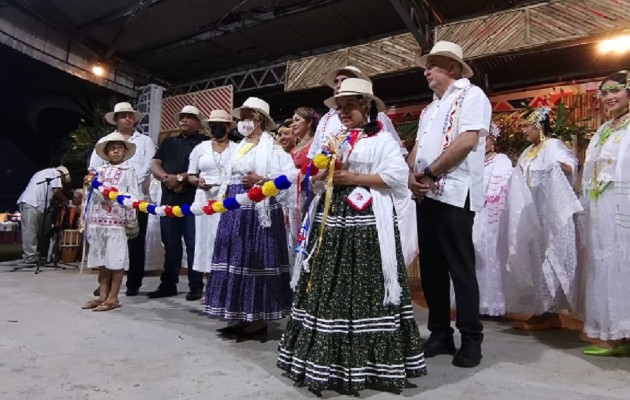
(535, 149)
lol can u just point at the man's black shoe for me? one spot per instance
(469, 354)
(131, 292)
(435, 345)
(194, 294)
(160, 293)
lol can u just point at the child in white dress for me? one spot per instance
(109, 224)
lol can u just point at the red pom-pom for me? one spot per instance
(135, 204)
(255, 194)
(314, 169)
(207, 210)
(106, 192)
(168, 210)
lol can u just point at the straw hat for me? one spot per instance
(119, 108)
(256, 104)
(449, 50)
(65, 174)
(218, 116)
(114, 137)
(331, 75)
(189, 110)
(355, 87)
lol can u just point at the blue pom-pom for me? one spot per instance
(186, 210)
(120, 198)
(96, 184)
(151, 209)
(282, 182)
(231, 204)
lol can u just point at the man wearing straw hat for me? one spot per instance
(124, 118)
(446, 177)
(170, 166)
(32, 205)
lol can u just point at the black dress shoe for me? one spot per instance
(231, 329)
(131, 292)
(469, 354)
(251, 334)
(97, 292)
(160, 293)
(194, 294)
(438, 344)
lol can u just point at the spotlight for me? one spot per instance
(619, 45)
(98, 70)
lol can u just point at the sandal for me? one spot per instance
(91, 304)
(107, 307)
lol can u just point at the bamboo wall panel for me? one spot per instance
(536, 25)
(384, 56)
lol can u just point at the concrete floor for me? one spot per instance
(166, 349)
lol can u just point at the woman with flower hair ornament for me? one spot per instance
(249, 274)
(606, 196)
(352, 322)
(541, 278)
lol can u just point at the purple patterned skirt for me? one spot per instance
(249, 278)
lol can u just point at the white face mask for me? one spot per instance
(245, 127)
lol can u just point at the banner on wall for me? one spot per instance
(220, 98)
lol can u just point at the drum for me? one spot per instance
(70, 244)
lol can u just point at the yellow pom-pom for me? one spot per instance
(177, 211)
(143, 206)
(269, 189)
(218, 207)
(112, 195)
(321, 161)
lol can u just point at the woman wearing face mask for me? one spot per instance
(606, 186)
(249, 276)
(207, 169)
(352, 323)
(541, 276)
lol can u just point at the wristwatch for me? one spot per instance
(180, 178)
(427, 172)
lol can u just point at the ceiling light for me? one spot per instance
(98, 70)
(619, 45)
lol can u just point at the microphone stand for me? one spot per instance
(41, 261)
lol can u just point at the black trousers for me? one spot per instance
(137, 254)
(447, 253)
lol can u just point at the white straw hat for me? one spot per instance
(189, 110)
(218, 116)
(114, 137)
(449, 50)
(331, 75)
(119, 108)
(65, 174)
(260, 105)
(355, 87)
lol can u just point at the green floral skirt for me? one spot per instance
(340, 335)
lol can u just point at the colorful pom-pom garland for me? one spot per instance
(255, 194)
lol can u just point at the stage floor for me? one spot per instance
(166, 349)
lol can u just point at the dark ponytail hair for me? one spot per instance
(374, 126)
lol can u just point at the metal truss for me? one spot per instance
(417, 16)
(241, 81)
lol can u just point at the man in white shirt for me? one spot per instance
(33, 204)
(446, 177)
(330, 123)
(124, 117)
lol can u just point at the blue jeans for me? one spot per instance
(172, 230)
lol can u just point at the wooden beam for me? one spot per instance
(406, 13)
